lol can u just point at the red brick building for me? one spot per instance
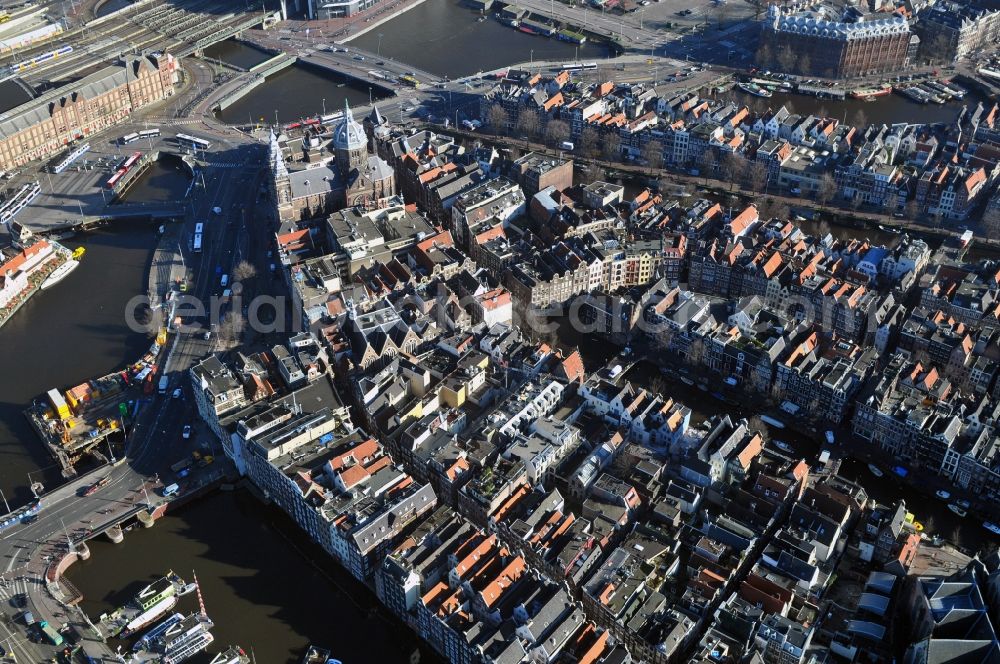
(43, 126)
(835, 49)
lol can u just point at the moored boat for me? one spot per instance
(231, 655)
(783, 446)
(149, 616)
(992, 527)
(942, 494)
(149, 605)
(753, 89)
(956, 509)
(152, 635)
(875, 470)
(60, 273)
(871, 93)
(317, 655)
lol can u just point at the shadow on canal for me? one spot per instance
(229, 539)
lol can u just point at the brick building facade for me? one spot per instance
(43, 126)
(834, 49)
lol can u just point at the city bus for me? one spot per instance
(199, 228)
(193, 142)
(113, 180)
(128, 138)
(196, 246)
(578, 66)
(131, 161)
(149, 133)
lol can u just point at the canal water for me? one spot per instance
(69, 333)
(167, 179)
(237, 53)
(264, 585)
(295, 93)
(890, 109)
(451, 42)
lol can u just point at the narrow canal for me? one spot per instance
(890, 109)
(264, 585)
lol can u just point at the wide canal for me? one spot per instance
(452, 42)
(264, 585)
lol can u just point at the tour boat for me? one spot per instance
(992, 527)
(875, 470)
(60, 273)
(942, 494)
(956, 509)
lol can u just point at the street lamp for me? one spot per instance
(324, 107)
(5, 503)
(379, 51)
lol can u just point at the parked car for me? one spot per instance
(186, 433)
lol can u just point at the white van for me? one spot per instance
(225, 280)
(171, 490)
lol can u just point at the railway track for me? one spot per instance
(159, 27)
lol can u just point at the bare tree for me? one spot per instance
(498, 119)
(612, 148)
(231, 327)
(912, 210)
(939, 50)
(528, 125)
(758, 176)
(706, 163)
(860, 119)
(764, 56)
(244, 271)
(721, 13)
(696, 352)
(827, 189)
(805, 64)
(653, 154)
(590, 141)
(773, 208)
(556, 131)
(787, 59)
(734, 167)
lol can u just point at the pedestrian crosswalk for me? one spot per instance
(13, 587)
(227, 163)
